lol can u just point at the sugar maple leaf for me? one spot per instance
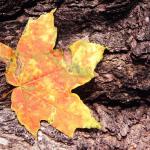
(44, 78)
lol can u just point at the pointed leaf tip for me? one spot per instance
(5, 53)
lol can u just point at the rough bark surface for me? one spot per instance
(120, 93)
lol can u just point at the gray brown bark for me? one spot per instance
(119, 95)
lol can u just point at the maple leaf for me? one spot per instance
(44, 78)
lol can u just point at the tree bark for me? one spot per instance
(119, 96)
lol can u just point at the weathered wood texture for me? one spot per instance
(120, 93)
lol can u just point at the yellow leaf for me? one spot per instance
(44, 78)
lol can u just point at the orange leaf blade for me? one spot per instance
(30, 109)
(44, 79)
(33, 50)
